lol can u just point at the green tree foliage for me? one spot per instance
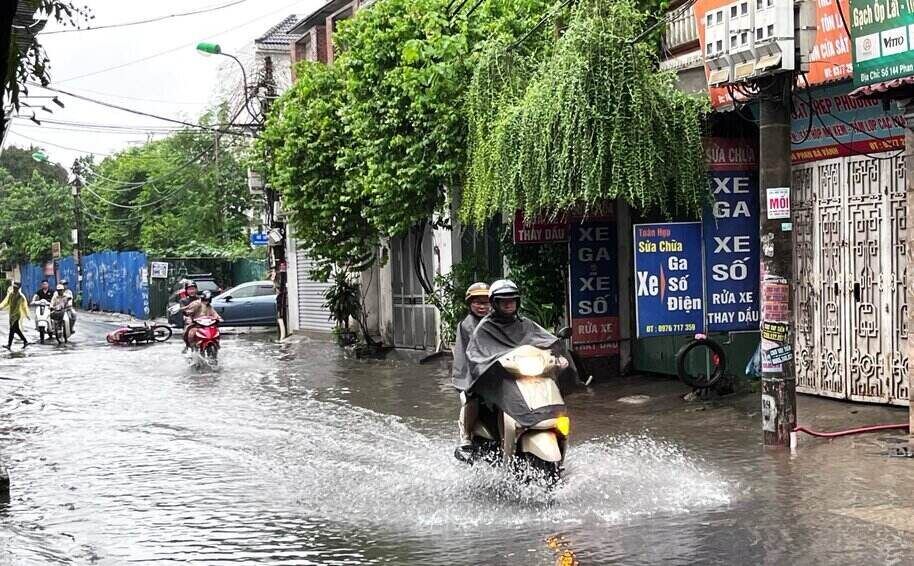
(595, 122)
(22, 57)
(305, 139)
(368, 147)
(33, 214)
(183, 195)
(19, 163)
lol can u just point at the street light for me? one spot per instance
(207, 48)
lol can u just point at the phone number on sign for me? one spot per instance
(688, 327)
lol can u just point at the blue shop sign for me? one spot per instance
(259, 239)
(732, 252)
(669, 286)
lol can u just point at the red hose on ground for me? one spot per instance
(874, 428)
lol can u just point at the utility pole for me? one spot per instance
(278, 251)
(779, 386)
(78, 213)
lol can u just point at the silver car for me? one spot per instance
(248, 304)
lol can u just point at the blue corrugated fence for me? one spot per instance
(112, 281)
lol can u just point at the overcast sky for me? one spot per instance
(173, 80)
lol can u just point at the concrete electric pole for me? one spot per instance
(779, 397)
(77, 185)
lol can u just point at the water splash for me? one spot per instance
(363, 467)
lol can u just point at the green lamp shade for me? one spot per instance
(211, 48)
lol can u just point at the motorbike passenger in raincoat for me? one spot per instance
(477, 298)
(500, 332)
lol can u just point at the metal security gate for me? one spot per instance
(312, 314)
(849, 237)
(415, 322)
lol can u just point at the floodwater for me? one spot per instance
(294, 454)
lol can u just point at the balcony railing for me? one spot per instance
(681, 32)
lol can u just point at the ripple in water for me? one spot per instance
(360, 467)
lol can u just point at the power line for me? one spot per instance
(137, 112)
(138, 99)
(148, 21)
(60, 146)
(23, 122)
(173, 49)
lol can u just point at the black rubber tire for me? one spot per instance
(546, 473)
(211, 353)
(161, 333)
(703, 381)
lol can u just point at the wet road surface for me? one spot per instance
(294, 454)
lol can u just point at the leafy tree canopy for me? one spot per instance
(368, 146)
(19, 163)
(21, 55)
(183, 194)
(33, 214)
(588, 121)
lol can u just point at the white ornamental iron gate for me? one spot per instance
(850, 241)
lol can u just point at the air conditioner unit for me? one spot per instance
(278, 211)
(255, 182)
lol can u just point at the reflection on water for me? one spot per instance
(296, 455)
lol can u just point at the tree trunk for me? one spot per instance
(7, 15)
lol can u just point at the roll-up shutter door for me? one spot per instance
(311, 313)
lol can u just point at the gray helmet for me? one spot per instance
(503, 289)
(64, 282)
(206, 296)
(16, 284)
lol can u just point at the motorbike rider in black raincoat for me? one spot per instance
(477, 298)
(499, 333)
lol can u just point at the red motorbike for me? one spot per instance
(204, 341)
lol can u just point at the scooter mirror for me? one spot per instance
(564, 333)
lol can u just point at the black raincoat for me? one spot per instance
(463, 381)
(495, 337)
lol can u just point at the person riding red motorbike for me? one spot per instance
(198, 309)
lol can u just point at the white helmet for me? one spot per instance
(503, 289)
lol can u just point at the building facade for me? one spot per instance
(848, 214)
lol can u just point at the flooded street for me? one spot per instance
(294, 454)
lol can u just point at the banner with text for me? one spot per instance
(837, 125)
(539, 231)
(882, 49)
(594, 291)
(669, 286)
(730, 232)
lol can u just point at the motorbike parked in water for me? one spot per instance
(42, 318)
(61, 324)
(140, 334)
(204, 342)
(537, 449)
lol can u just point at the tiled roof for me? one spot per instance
(279, 34)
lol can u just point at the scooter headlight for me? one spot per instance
(531, 365)
(563, 425)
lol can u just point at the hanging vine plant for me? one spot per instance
(597, 121)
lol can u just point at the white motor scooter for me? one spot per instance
(42, 318)
(542, 443)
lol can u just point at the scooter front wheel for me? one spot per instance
(161, 333)
(533, 469)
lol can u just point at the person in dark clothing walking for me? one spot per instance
(18, 306)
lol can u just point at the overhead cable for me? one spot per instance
(147, 21)
(173, 49)
(138, 112)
